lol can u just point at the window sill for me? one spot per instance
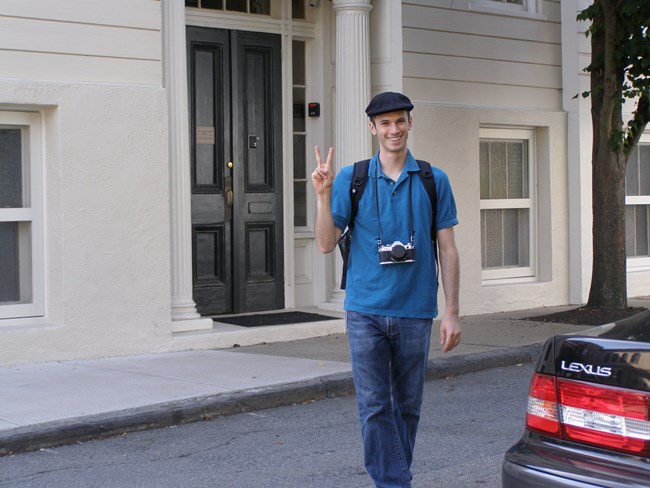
(488, 9)
(21, 311)
(638, 265)
(26, 324)
(508, 281)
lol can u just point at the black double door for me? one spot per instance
(236, 139)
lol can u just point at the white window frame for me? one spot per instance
(33, 159)
(520, 273)
(639, 263)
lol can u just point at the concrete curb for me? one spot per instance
(479, 361)
(80, 429)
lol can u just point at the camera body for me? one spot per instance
(396, 253)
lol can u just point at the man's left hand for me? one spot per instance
(449, 332)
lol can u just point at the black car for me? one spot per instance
(588, 416)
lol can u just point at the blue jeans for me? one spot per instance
(389, 357)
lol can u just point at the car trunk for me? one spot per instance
(594, 388)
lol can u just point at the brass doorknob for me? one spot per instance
(229, 164)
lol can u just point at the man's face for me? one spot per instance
(392, 130)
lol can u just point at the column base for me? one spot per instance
(336, 301)
(185, 317)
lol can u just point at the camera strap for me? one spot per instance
(412, 230)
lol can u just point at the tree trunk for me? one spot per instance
(609, 269)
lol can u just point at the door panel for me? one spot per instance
(257, 117)
(209, 88)
(235, 105)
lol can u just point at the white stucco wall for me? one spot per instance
(93, 72)
(106, 195)
(467, 68)
(449, 138)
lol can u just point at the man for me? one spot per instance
(391, 296)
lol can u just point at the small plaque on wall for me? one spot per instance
(204, 135)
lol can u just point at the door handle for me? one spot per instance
(229, 197)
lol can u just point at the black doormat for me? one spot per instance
(280, 318)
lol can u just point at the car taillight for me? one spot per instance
(602, 416)
(542, 413)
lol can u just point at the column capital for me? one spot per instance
(351, 5)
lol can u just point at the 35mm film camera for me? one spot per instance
(396, 253)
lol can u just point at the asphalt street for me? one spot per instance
(468, 423)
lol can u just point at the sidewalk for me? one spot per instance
(63, 402)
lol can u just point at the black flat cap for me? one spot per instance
(388, 102)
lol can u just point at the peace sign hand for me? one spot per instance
(322, 177)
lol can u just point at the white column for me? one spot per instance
(183, 309)
(352, 137)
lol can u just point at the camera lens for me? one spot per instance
(397, 253)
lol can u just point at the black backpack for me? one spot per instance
(359, 180)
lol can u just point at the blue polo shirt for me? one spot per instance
(401, 289)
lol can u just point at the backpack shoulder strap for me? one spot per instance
(426, 175)
(359, 180)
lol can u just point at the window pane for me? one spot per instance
(300, 204)
(11, 169)
(298, 50)
(641, 230)
(520, 234)
(15, 262)
(630, 231)
(493, 238)
(298, 9)
(215, 4)
(510, 238)
(191, 3)
(637, 230)
(517, 171)
(644, 169)
(299, 110)
(299, 152)
(632, 174)
(10, 282)
(504, 240)
(262, 7)
(498, 170)
(236, 5)
(503, 169)
(483, 239)
(484, 165)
